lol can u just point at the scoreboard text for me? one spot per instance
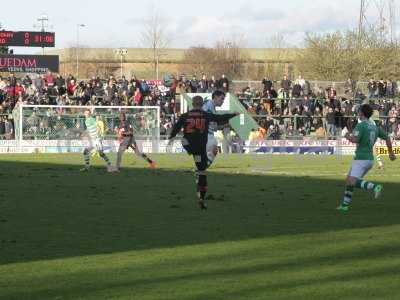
(27, 39)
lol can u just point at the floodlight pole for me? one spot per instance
(43, 18)
(121, 52)
(78, 26)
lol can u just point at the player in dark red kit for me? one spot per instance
(195, 134)
(126, 141)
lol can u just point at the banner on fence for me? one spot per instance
(384, 150)
(77, 146)
(323, 147)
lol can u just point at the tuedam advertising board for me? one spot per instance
(29, 63)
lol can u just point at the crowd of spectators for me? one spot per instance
(55, 90)
(203, 85)
(284, 109)
(293, 109)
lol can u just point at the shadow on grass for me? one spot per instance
(124, 284)
(50, 211)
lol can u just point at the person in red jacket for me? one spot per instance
(138, 97)
(19, 90)
(71, 87)
(49, 79)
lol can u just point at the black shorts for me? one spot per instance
(200, 157)
(127, 141)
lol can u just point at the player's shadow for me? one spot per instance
(50, 211)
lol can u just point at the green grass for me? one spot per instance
(272, 231)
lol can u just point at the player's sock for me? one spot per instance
(348, 195)
(86, 156)
(365, 185)
(380, 161)
(210, 158)
(202, 186)
(105, 158)
(146, 158)
(201, 181)
(119, 159)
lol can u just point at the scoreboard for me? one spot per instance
(27, 38)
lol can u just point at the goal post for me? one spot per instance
(60, 129)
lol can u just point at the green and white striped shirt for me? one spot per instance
(91, 128)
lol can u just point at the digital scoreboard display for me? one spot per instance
(27, 39)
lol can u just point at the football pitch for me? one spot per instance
(271, 230)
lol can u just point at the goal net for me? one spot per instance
(61, 129)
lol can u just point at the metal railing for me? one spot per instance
(342, 88)
(68, 122)
(319, 127)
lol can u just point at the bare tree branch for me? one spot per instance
(154, 36)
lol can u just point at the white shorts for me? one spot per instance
(211, 143)
(360, 167)
(96, 144)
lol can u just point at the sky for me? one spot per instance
(119, 23)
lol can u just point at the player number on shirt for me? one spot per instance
(194, 124)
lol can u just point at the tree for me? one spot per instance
(321, 59)
(276, 41)
(341, 55)
(227, 57)
(154, 36)
(199, 60)
(278, 49)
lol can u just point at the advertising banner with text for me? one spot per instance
(29, 63)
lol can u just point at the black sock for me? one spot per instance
(202, 186)
(147, 158)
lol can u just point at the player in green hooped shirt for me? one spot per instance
(94, 142)
(364, 135)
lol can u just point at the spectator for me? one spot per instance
(267, 84)
(2, 127)
(27, 81)
(330, 123)
(213, 82)
(59, 81)
(301, 82)
(372, 87)
(339, 121)
(194, 84)
(138, 98)
(9, 129)
(381, 88)
(350, 87)
(297, 89)
(203, 84)
(49, 79)
(286, 85)
(224, 83)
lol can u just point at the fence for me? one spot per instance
(298, 127)
(315, 85)
(68, 122)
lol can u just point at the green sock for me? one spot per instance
(365, 185)
(348, 195)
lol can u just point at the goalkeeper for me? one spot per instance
(94, 142)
